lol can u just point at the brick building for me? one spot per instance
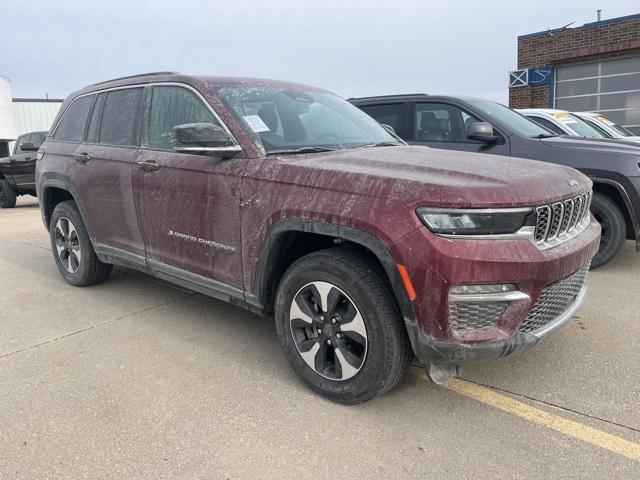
(595, 67)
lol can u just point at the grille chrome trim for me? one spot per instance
(560, 221)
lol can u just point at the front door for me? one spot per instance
(188, 203)
(444, 125)
(23, 164)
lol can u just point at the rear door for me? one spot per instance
(188, 203)
(444, 125)
(102, 172)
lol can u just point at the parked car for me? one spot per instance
(609, 128)
(562, 122)
(17, 172)
(288, 201)
(477, 125)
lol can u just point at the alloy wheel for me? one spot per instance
(68, 245)
(328, 330)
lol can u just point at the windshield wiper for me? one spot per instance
(295, 151)
(381, 144)
(546, 135)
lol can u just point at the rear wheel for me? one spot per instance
(72, 249)
(614, 229)
(7, 195)
(340, 327)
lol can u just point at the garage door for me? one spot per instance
(610, 86)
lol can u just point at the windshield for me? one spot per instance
(513, 119)
(613, 125)
(577, 125)
(289, 119)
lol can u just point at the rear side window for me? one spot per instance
(94, 123)
(71, 127)
(390, 114)
(172, 106)
(118, 125)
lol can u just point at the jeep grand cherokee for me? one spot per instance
(288, 201)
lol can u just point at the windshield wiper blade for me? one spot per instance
(546, 135)
(381, 144)
(295, 151)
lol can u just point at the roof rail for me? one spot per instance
(389, 96)
(136, 76)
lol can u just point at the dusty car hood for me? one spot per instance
(427, 176)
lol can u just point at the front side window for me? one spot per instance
(172, 106)
(439, 122)
(21, 141)
(288, 119)
(71, 126)
(549, 125)
(514, 120)
(37, 139)
(118, 125)
(388, 114)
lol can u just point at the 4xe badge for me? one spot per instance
(573, 183)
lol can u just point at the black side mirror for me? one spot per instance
(203, 138)
(28, 147)
(482, 132)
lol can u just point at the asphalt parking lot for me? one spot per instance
(135, 378)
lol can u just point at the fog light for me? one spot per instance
(480, 289)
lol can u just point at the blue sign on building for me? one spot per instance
(518, 78)
(540, 75)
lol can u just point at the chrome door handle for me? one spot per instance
(83, 157)
(148, 166)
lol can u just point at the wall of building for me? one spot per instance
(34, 114)
(7, 116)
(607, 39)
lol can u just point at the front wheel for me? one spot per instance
(340, 327)
(7, 195)
(614, 229)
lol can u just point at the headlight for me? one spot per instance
(472, 221)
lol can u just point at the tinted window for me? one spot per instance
(94, 123)
(21, 141)
(172, 106)
(517, 122)
(392, 115)
(439, 122)
(548, 125)
(71, 127)
(37, 139)
(119, 117)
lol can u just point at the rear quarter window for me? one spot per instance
(71, 126)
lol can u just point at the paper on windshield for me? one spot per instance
(256, 123)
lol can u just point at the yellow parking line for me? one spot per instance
(507, 404)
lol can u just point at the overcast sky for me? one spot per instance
(352, 47)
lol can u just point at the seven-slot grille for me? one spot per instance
(554, 300)
(561, 217)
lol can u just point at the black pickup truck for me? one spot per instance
(17, 172)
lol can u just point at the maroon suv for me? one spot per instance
(287, 200)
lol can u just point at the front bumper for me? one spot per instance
(445, 263)
(437, 352)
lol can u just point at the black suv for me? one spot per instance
(477, 125)
(17, 172)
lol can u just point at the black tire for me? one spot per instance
(73, 252)
(7, 195)
(356, 282)
(614, 229)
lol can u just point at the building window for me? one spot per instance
(608, 86)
